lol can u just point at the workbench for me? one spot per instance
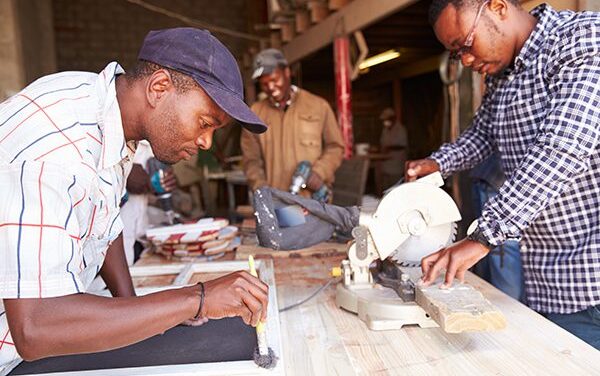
(320, 339)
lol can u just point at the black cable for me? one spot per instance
(311, 295)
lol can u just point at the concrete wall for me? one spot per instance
(91, 33)
(26, 43)
(37, 37)
(11, 71)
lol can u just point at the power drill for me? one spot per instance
(299, 179)
(156, 170)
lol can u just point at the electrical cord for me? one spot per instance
(320, 289)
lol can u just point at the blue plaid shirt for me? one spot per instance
(543, 116)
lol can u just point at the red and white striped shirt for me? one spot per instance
(63, 167)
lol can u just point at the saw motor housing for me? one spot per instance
(412, 221)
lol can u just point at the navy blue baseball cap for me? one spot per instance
(200, 55)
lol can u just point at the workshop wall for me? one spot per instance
(91, 33)
(26, 43)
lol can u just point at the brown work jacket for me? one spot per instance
(307, 130)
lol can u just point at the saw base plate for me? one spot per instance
(381, 308)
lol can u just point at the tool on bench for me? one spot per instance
(412, 221)
(300, 178)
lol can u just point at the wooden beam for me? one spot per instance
(357, 15)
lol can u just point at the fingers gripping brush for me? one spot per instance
(263, 355)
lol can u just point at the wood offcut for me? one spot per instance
(460, 308)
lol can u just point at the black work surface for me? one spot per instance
(216, 341)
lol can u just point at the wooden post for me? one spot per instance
(397, 91)
(478, 87)
(343, 91)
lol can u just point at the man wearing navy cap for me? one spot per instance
(66, 147)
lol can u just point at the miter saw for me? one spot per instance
(412, 221)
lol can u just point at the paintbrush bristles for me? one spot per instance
(263, 355)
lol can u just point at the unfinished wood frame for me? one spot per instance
(184, 273)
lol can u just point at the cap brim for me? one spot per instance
(234, 107)
(261, 71)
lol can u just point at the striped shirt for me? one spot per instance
(543, 116)
(63, 164)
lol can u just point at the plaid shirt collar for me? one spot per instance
(546, 17)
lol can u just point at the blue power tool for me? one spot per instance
(299, 179)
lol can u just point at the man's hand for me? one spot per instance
(456, 259)
(168, 181)
(314, 182)
(236, 294)
(138, 181)
(420, 167)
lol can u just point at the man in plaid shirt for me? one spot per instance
(541, 113)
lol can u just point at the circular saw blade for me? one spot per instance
(413, 249)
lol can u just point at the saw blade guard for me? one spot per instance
(412, 210)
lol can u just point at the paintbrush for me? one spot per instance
(263, 354)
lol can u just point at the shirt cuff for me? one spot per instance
(443, 160)
(494, 231)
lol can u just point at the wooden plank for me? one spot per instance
(321, 249)
(460, 308)
(184, 276)
(356, 15)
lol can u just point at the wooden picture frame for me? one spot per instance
(184, 273)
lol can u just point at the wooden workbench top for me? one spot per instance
(321, 339)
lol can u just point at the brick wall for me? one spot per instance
(91, 33)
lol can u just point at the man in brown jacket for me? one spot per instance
(302, 126)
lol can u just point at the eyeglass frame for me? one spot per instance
(466, 47)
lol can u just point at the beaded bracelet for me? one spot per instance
(201, 301)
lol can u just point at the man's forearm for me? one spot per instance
(84, 323)
(471, 148)
(115, 271)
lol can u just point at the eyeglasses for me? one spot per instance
(466, 47)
